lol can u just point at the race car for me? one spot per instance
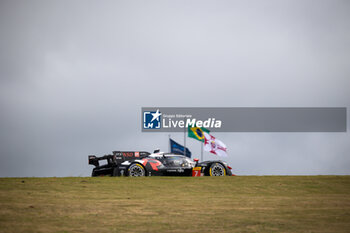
(133, 163)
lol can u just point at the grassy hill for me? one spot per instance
(175, 204)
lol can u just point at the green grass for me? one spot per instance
(174, 204)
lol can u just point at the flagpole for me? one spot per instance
(201, 151)
(185, 138)
(169, 144)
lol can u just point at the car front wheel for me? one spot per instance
(217, 169)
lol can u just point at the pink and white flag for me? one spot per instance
(214, 145)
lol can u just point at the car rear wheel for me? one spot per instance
(136, 170)
(217, 169)
(93, 174)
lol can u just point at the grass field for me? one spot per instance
(167, 204)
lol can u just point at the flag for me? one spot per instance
(197, 133)
(176, 148)
(214, 145)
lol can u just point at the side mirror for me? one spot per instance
(196, 160)
(156, 151)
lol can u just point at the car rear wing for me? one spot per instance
(118, 157)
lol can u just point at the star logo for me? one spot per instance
(152, 119)
(156, 115)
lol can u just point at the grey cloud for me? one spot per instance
(74, 76)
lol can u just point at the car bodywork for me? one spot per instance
(142, 163)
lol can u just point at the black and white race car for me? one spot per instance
(134, 163)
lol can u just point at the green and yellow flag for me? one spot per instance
(197, 133)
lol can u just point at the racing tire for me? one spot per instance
(136, 169)
(217, 169)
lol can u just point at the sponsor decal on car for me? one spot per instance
(196, 171)
(152, 162)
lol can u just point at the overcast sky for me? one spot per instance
(75, 74)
